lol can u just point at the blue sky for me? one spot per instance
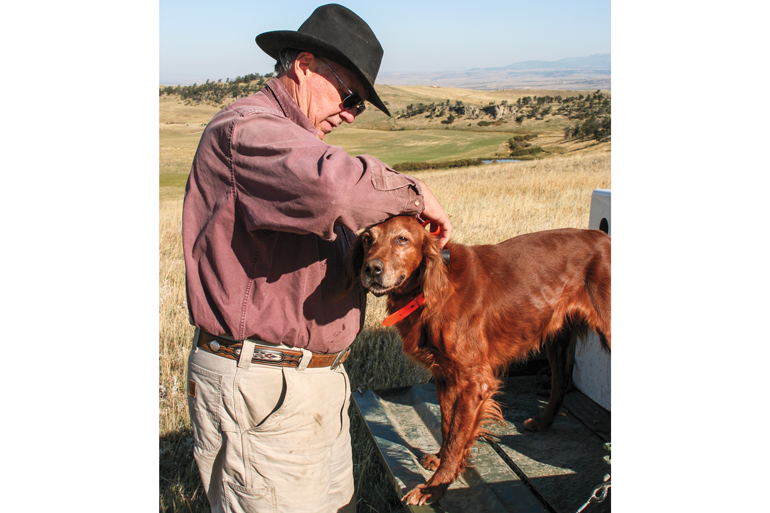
(204, 39)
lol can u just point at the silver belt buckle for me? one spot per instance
(338, 360)
(268, 355)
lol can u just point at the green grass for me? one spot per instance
(418, 145)
(173, 180)
(183, 140)
(177, 149)
(392, 140)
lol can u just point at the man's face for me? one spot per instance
(324, 103)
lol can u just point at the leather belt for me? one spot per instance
(268, 355)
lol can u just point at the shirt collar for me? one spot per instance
(289, 107)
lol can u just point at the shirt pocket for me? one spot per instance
(388, 180)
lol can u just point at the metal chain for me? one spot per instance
(600, 492)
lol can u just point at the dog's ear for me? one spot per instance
(354, 260)
(435, 275)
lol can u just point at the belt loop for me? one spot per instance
(306, 357)
(247, 354)
(196, 336)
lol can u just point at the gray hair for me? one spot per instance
(285, 61)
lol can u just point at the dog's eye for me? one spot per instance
(402, 240)
(366, 239)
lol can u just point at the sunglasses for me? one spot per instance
(351, 100)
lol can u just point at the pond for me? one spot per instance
(497, 161)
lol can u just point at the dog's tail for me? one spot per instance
(598, 286)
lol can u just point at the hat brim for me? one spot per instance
(273, 42)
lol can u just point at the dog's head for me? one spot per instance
(396, 257)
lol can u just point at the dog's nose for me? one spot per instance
(374, 267)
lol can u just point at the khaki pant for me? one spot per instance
(270, 439)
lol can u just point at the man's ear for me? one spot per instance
(303, 64)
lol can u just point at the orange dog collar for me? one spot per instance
(403, 313)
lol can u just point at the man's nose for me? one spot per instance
(348, 115)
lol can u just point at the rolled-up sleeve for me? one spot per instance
(287, 179)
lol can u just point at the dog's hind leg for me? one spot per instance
(558, 351)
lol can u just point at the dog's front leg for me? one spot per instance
(468, 400)
(447, 397)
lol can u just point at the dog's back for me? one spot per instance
(524, 289)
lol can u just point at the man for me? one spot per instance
(269, 211)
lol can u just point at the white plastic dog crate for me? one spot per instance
(592, 371)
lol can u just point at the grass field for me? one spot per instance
(418, 145)
(487, 204)
(392, 140)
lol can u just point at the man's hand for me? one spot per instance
(435, 213)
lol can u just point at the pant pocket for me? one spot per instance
(204, 399)
(241, 499)
(262, 393)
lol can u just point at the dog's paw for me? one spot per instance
(431, 461)
(535, 425)
(424, 494)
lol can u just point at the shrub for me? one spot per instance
(217, 92)
(527, 151)
(422, 166)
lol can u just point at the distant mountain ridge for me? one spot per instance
(592, 62)
(590, 73)
(577, 73)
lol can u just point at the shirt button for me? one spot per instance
(214, 345)
(417, 202)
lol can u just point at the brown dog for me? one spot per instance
(493, 304)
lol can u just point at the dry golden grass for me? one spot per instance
(175, 330)
(173, 110)
(487, 204)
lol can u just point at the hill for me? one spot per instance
(429, 124)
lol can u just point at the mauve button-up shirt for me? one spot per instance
(269, 211)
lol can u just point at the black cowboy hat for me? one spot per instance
(337, 33)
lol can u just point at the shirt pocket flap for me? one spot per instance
(389, 181)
